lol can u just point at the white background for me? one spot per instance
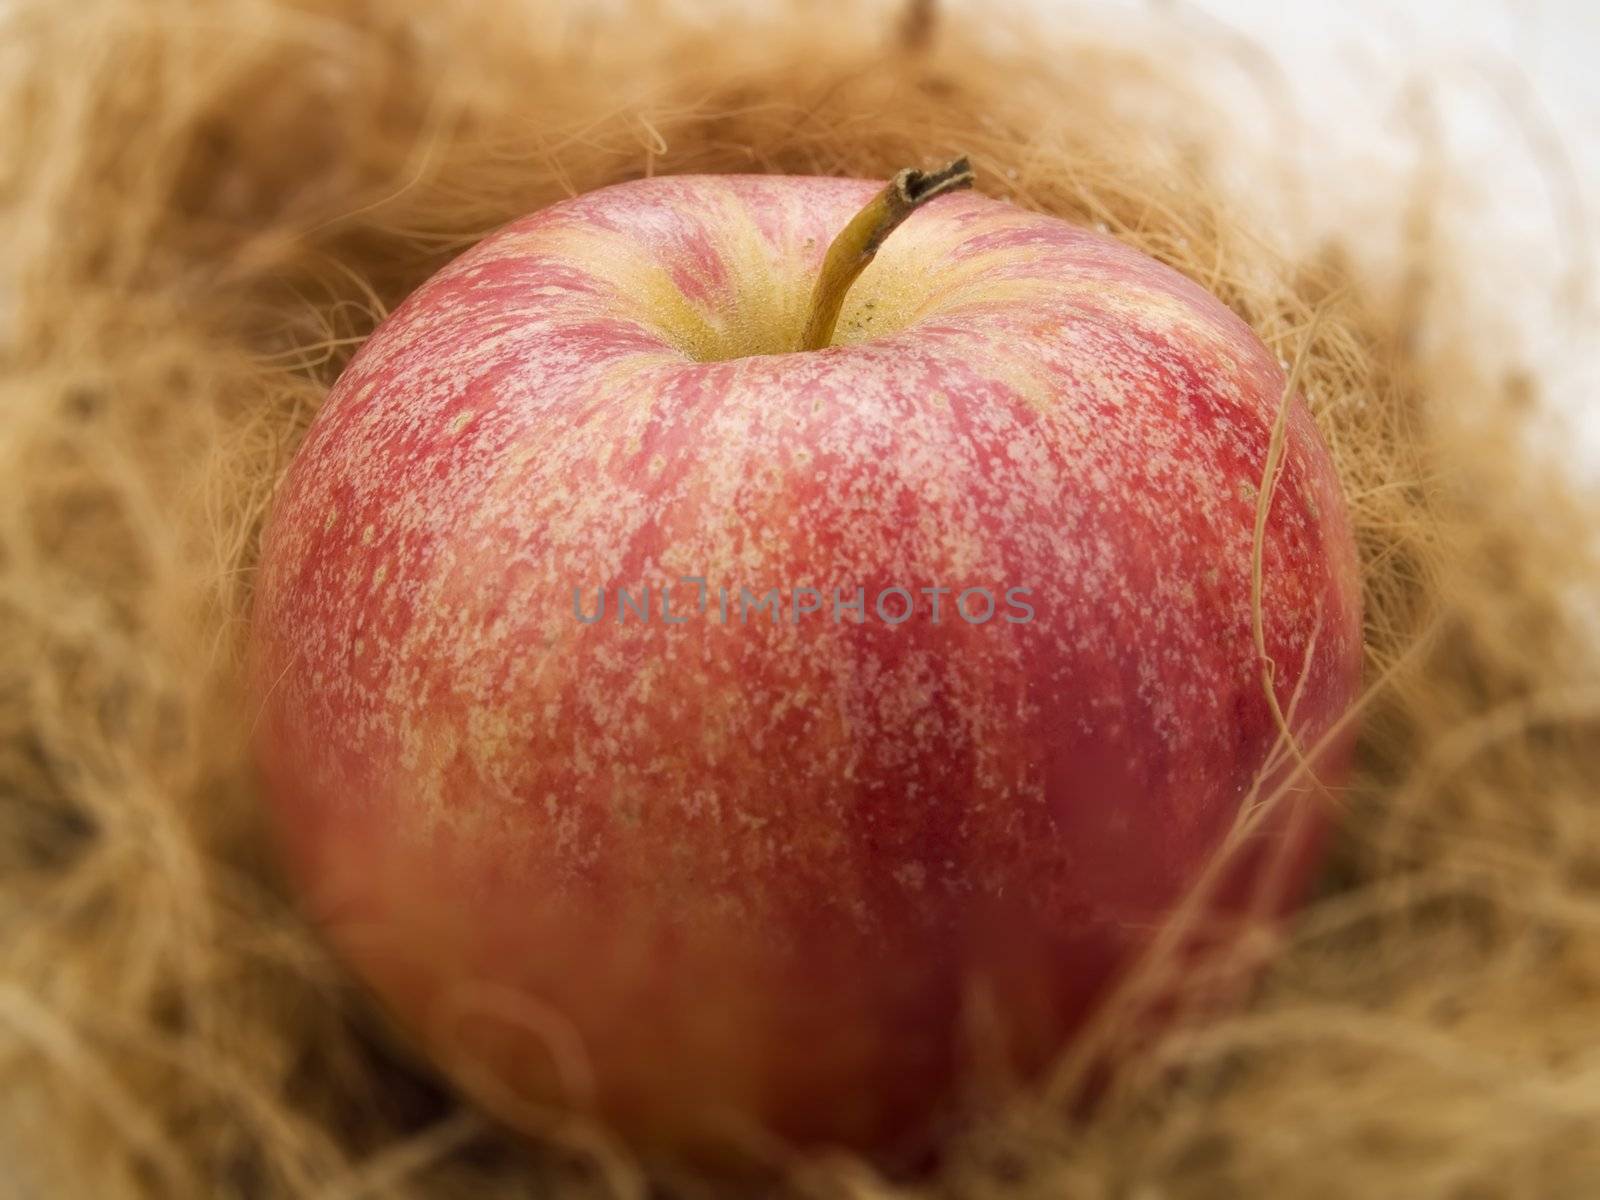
(1516, 91)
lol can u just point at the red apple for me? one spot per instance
(719, 879)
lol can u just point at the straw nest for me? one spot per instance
(208, 205)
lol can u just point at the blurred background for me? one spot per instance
(1505, 97)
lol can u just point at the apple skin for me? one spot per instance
(728, 885)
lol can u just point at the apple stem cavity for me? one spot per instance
(858, 243)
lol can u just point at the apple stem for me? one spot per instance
(856, 246)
